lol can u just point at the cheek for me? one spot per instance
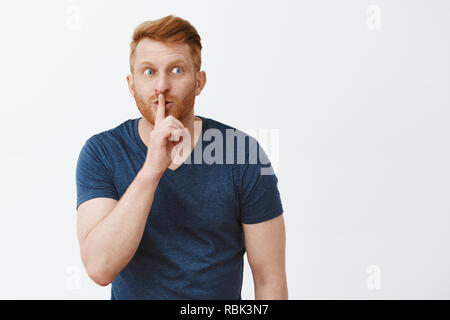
(188, 87)
(143, 92)
(141, 85)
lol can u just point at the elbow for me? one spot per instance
(99, 276)
(99, 267)
(271, 287)
(97, 270)
(103, 283)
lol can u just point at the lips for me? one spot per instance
(167, 102)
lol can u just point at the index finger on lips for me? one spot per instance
(160, 109)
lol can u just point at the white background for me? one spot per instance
(359, 91)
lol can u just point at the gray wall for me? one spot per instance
(358, 92)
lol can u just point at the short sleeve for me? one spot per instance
(259, 196)
(93, 178)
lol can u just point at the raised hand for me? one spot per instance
(166, 134)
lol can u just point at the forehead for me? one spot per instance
(161, 53)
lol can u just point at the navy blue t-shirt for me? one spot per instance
(193, 242)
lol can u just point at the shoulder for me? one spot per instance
(117, 134)
(240, 149)
(223, 127)
(102, 146)
(231, 136)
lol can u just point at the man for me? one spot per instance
(153, 219)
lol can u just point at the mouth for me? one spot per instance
(168, 103)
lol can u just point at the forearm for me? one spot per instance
(271, 289)
(113, 241)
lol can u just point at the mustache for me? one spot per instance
(155, 99)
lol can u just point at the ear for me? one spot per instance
(130, 84)
(200, 82)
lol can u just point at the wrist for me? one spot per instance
(150, 174)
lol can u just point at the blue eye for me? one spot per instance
(148, 70)
(178, 69)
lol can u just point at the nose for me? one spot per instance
(162, 86)
(157, 92)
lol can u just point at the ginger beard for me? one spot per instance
(179, 109)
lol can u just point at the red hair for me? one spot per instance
(170, 29)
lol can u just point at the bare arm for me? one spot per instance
(265, 243)
(109, 231)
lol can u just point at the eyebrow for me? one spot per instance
(177, 61)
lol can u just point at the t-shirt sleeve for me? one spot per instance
(259, 196)
(93, 178)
